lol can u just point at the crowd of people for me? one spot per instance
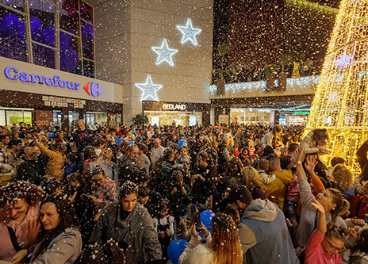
(238, 74)
(123, 195)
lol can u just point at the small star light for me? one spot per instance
(149, 89)
(189, 33)
(164, 53)
(343, 61)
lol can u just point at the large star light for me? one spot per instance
(189, 33)
(164, 53)
(149, 89)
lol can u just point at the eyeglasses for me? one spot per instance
(335, 248)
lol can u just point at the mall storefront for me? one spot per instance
(183, 114)
(41, 96)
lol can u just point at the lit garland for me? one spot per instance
(340, 104)
(303, 82)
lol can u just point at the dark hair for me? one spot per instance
(337, 160)
(14, 142)
(173, 146)
(71, 157)
(163, 203)
(89, 153)
(363, 241)
(292, 147)
(167, 153)
(127, 188)
(130, 147)
(268, 150)
(204, 156)
(20, 190)
(231, 209)
(143, 147)
(67, 217)
(177, 175)
(319, 134)
(240, 193)
(141, 176)
(74, 177)
(49, 185)
(143, 191)
(97, 169)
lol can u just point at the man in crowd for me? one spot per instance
(278, 181)
(82, 137)
(119, 220)
(157, 153)
(29, 170)
(127, 163)
(263, 233)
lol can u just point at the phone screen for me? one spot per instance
(197, 220)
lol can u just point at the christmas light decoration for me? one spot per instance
(340, 103)
(302, 82)
(149, 89)
(189, 32)
(164, 53)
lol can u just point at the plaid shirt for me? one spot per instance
(107, 192)
(3, 157)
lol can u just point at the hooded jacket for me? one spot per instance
(136, 229)
(264, 236)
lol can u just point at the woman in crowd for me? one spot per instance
(19, 224)
(59, 240)
(105, 161)
(223, 247)
(254, 183)
(89, 157)
(55, 166)
(331, 199)
(343, 181)
(233, 174)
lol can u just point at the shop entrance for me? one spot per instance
(9, 116)
(167, 118)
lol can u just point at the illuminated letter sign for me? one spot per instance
(12, 74)
(181, 107)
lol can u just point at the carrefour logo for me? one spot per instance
(11, 73)
(93, 88)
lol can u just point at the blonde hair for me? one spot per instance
(225, 241)
(343, 177)
(251, 177)
(342, 206)
(226, 141)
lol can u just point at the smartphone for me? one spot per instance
(197, 220)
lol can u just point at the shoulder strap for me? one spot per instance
(357, 208)
(13, 239)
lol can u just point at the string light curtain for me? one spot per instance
(340, 103)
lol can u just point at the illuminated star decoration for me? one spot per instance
(164, 53)
(189, 33)
(343, 61)
(149, 89)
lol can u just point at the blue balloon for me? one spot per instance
(206, 218)
(131, 142)
(182, 142)
(175, 249)
(51, 135)
(119, 140)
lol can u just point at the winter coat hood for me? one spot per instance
(261, 210)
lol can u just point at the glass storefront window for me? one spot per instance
(69, 16)
(43, 56)
(101, 118)
(89, 68)
(12, 35)
(18, 116)
(42, 22)
(2, 118)
(87, 41)
(73, 116)
(86, 12)
(69, 53)
(90, 119)
(251, 116)
(16, 4)
(56, 118)
(165, 118)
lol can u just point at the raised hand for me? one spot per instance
(318, 206)
(310, 163)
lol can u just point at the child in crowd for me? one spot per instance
(143, 195)
(179, 195)
(183, 163)
(70, 166)
(165, 226)
(262, 168)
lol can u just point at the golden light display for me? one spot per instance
(340, 104)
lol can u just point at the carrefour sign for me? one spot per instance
(92, 88)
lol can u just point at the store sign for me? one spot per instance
(301, 112)
(11, 73)
(181, 107)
